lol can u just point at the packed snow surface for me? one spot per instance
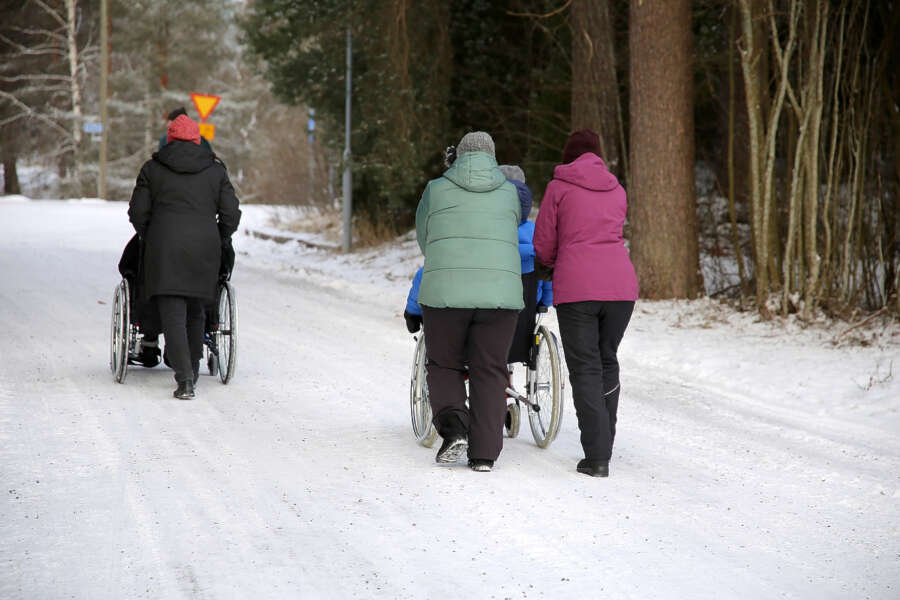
(753, 460)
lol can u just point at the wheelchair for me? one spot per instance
(126, 335)
(543, 397)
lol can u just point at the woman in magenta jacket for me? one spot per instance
(578, 234)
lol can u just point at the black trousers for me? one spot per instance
(182, 325)
(478, 338)
(521, 342)
(591, 332)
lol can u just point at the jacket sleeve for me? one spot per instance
(545, 240)
(545, 293)
(526, 234)
(412, 300)
(229, 213)
(141, 206)
(422, 220)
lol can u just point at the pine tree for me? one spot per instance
(661, 193)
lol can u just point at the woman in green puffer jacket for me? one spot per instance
(471, 293)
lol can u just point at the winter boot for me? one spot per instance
(594, 468)
(452, 449)
(185, 390)
(481, 465)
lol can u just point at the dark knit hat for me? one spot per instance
(183, 128)
(580, 142)
(175, 113)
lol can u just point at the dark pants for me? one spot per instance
(146, 315)
(591, 332)
(182, 325)
(479, 338)
(521, 342)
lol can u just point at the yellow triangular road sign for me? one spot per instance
(205, 104)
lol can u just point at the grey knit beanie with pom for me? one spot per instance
(513, 172)
(475, 141)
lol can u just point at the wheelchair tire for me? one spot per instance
(226, 332)
(513, 419)
(120, 331)
(419, 405)
(545, 389)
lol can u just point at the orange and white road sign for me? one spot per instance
(205, 104)
(207, 130)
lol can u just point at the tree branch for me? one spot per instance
(538, 16)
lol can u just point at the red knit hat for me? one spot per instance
(580, 142)
(183, 128)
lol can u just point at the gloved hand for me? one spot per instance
(413, 322)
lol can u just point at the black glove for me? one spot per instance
(227, 263)
(413, 322)
(542, 272)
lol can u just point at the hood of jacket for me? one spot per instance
(476, 172)
(587, 171)
(184, 157)
(525, 200)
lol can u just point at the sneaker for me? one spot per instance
(482, 465)
(452, 449)
(185, 390)
(594, 468)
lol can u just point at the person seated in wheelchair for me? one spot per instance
(537, 294)
(225, 269)
(144, 312)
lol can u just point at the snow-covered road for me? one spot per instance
(300, 479)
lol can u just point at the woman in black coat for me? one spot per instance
(184, 208)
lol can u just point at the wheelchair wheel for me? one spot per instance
(513, 419)
(419, 405)
(120, 330)
(545, 389)
(226, 332)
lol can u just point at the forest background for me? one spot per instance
(758, 140)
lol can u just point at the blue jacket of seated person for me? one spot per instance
(526, 247)
(544, 290)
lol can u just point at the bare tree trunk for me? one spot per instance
(595, 89)
(732, 212)
(816, 99)
(763, 138)
(664, 244)
(750, 64)
(77, 120)
(791, 275)
(150, 122)
(10, 174)
(72, 48)
(833, 166)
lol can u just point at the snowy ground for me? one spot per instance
(753, 460)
